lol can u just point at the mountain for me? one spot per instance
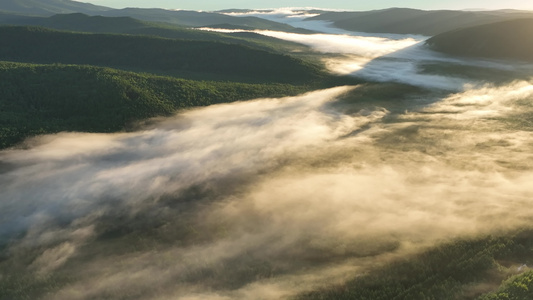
(127, 25)
(177, 17)
(198, 19)
(507, 39)
(193, 59)
(414, 21)
(48, 7)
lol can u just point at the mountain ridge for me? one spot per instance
(49, 7)
(501, 40)
(415, 21)
(127, 25)
(153, 54)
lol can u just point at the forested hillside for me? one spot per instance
(48, 7)
(127, 25)
(38, 99)
(177, 17)
(464, 269)
(203, 59)
(197, 18)
(415, 21)
(509, 39)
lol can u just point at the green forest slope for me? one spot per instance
(178, 17)
(38, 99)
(185, 58)
(414, 21)
(127, 25)
(459, 270)
(508, 39)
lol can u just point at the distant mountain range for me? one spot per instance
(127, 25)
(49, 7)
(177, 17)
(508, 39)
(414, 21)
(393, 20)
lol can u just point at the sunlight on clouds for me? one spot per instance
(368, 47)
(241, 199)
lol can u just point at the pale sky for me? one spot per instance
(335, 4)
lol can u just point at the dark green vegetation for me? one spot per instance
(196, 59)
(127, 25)
(508, 39)
(516, 288)
(413, 21)
(82, 98)
(38, 99)
(465, 269)
(183, 18)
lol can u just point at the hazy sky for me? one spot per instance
(337, 4)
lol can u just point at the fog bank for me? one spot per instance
(267, 198)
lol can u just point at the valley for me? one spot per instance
(299, 156)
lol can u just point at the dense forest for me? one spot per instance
(48, 8)
(127, 25)
(415, 21)
(508, 39)
(38, 99)
(464, 269)
(153, 54)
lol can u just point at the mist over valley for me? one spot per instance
(221, 159)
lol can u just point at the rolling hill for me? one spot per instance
(501, 40)
(127, 25)
(39, 99)
(48, 7)
(177, 17)
(193, 59)
(198, 19)
(414, 21)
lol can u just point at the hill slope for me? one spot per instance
(508, 39)
(38, 99)
(413, 21)
(48, 7)
(198, 19)
(127, 25)
(183, 18)
(464, 269)
(205, 59)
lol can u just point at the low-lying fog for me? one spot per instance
(267, 198)
(389, 58)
